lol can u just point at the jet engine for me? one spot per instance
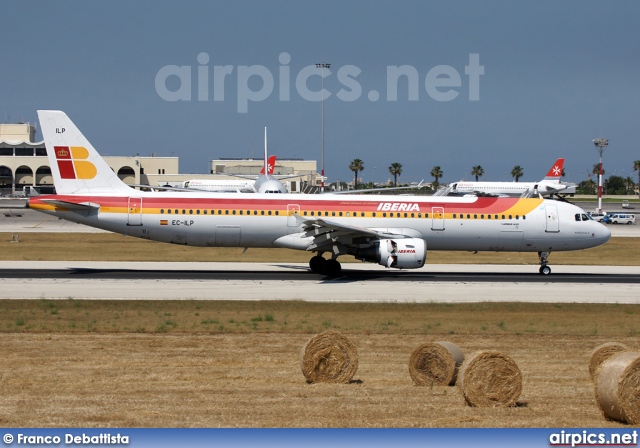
(403, 253)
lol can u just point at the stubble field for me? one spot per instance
(210, 364)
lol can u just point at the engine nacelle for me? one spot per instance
(403, 253)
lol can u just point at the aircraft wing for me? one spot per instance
(158, 188)
(371, 190)
(327, 233)
(275, 176)
(484, 194)
(192, 189)
(221, 190)
(285, 176)
(554, 188)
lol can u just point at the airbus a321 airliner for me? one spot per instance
(393, 231)
(230, 185)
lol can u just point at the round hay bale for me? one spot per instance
(490, 379)
(329, 357)
(435, 363)
(603, 352)
(618, 388)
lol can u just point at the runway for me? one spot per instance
(360, 283)
(291, 281)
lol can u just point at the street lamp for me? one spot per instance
(600, 143)
(323, 65)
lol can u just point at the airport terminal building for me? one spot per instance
(24, 164)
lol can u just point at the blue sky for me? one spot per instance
(556, 76)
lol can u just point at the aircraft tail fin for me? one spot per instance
(555, 173)
(76, 166)
(271, 163)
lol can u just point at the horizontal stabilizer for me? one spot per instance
(82, 206)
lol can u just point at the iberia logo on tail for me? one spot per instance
(72, 162)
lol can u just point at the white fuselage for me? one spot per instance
(544, 187)
(266, 220)
(220, 185)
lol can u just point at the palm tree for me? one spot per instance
(517, 172)
(591, 186)
(356, 165)
(596, 170)
(477, 171)
(636, 167)
(436, 173)
(631, 185)
(395, 169)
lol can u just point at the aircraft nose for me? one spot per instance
(604, 234)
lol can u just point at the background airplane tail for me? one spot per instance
(555, 173)
(76, 166)
(271, 164)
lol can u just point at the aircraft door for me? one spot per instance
(553, 223)
(135, 212)
(437, 218)
(292, 209)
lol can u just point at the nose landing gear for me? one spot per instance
(544, 268)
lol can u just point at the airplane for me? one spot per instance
(264, 183)
(231, 185)
(393, 231)
(267, 183)
(550, 185)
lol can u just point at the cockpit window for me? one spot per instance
(578, 217)
(586, 217)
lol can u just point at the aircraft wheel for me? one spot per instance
(333, 268)
(318, 264)
(545, 270)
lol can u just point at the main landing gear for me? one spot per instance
(544, 268)
(321, 265)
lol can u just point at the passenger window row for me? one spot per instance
(343, 214)
(365, 214)
(482, 216)
(176, 211)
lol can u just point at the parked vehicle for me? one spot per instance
(622, 218)
(598, 216)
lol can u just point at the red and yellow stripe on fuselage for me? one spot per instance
(391, 207)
